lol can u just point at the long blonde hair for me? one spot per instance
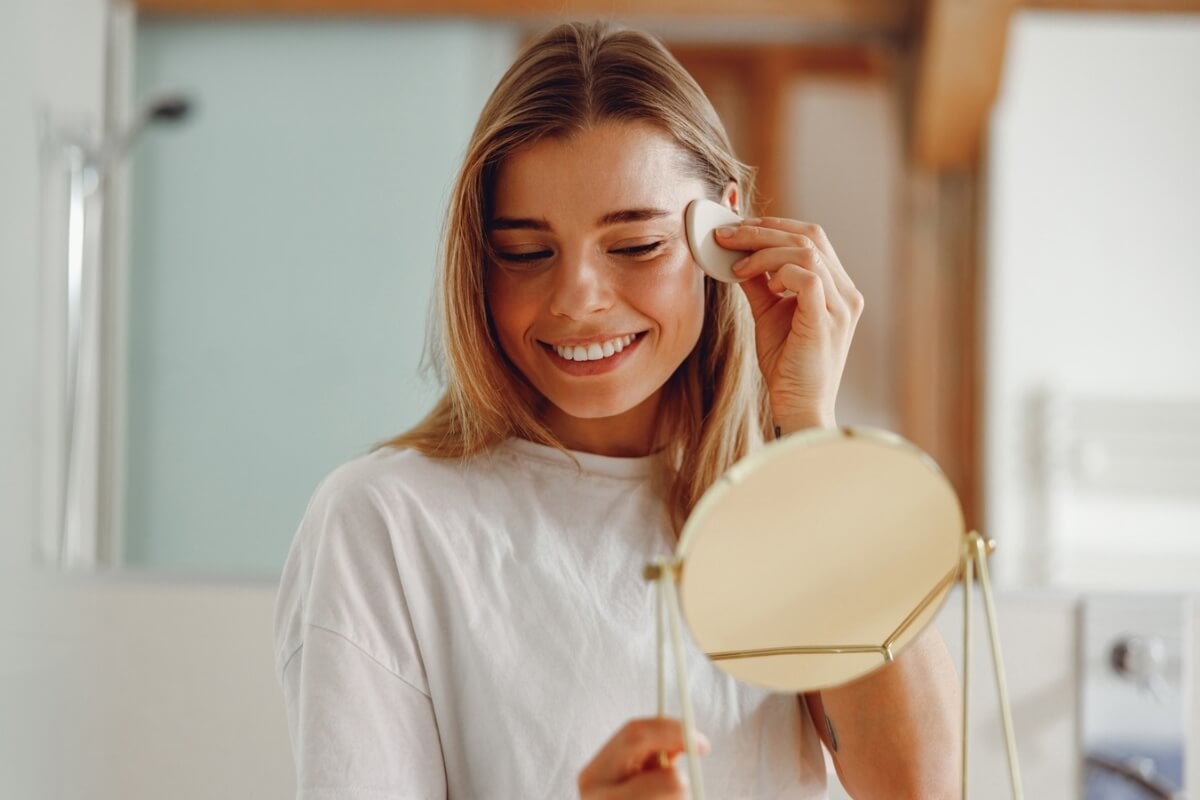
(714, 408)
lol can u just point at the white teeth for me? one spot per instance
(595, 351)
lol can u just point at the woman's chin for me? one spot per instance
(594, 412)
(598, 407)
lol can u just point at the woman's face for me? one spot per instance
(594, 294)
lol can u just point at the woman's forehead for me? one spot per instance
(595, 171)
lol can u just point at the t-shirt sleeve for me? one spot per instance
(360, 717)
(359, 731)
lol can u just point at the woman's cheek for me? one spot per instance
(672, 291)
(508, 307)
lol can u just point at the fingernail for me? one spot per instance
(725, 231)
(741, 264)
(702, 740)
(752, 221)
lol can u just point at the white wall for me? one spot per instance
(1092, 274)
(131, 689)
(1092, 269)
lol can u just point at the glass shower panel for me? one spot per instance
(282, 249)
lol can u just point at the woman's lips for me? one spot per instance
(597, 366)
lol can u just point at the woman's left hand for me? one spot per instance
(802, 338)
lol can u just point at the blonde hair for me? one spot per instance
(714, 407)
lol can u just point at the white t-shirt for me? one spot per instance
(480, 629)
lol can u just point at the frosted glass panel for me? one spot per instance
(283, 245)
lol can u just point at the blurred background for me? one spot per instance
(218, 231)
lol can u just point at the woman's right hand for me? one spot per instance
(628, 764)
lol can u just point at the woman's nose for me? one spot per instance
(581, 286)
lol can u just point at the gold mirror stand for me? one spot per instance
(975, 552)
(665, 574)
(666, 611)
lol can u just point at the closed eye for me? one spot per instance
(523, 257)
(537, 255)
(640, 250)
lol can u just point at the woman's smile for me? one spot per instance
(595, 358)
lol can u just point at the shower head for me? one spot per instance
(168, 108)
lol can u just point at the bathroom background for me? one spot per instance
(1013, 187)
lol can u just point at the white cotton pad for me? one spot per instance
(700, 219)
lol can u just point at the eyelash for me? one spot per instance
(640, 250)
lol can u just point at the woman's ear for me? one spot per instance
(730, 197)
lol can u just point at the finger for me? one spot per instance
(835, 302)
(748, 236)
(759, 295)
(808, 286)
(627, 751)
(810, 229)
(769, 309)
(772, 258)
(768, 232)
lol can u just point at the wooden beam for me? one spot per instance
(849, 60)
(938, 298)
(875, 15)
(962, 52)
(767, 93)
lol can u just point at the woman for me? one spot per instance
(462, 613)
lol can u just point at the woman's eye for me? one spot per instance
(640, 250)
(538, 255)
(521, 258)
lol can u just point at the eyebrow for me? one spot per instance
(611, 218)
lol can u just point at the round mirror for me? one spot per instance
(817, 559)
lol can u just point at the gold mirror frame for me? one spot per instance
(855, 521)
